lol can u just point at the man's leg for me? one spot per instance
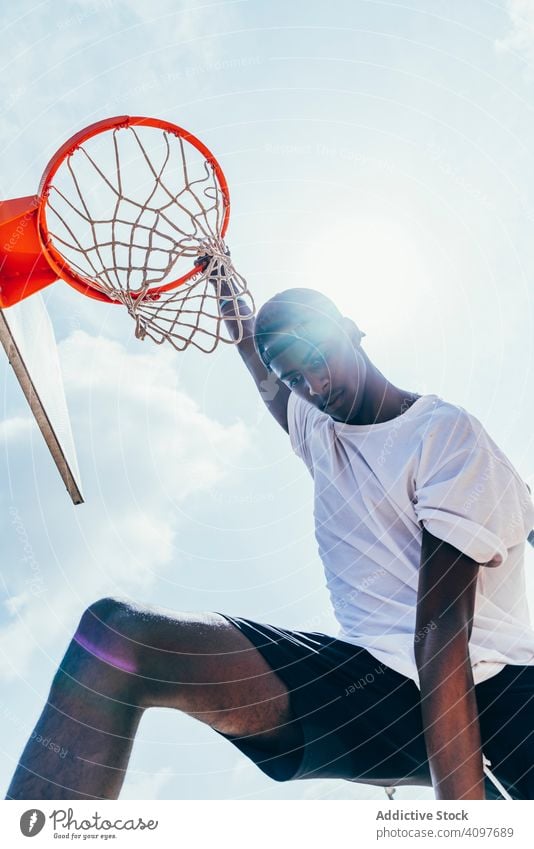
(124, 659)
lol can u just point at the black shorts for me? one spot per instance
(361, 720)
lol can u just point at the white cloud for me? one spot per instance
(17, 602)
(521, 35)
(131, 417)
(145, 448)
(15, 428)
(146, 785)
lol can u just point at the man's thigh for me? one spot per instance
(203, 665)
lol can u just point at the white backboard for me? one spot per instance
(27, 336)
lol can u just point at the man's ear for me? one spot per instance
(353, 331)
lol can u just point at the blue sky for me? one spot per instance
(379, 151)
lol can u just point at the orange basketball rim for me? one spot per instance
(89, 249)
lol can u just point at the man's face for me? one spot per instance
(325, 366)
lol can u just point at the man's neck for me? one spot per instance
(382, 401)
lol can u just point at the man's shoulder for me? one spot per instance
(454, 432)
(449, 418)
(448, 433)
(447, 409)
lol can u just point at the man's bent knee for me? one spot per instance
(102, 642)
(102, 617)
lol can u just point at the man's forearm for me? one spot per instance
(238, 317)
(451, 727)
(245, 319)
(240, 323)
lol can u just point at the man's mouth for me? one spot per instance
(333, 402)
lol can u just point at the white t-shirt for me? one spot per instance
(376, 485)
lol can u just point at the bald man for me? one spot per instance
(421, 524)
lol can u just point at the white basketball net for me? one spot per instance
(127, 221)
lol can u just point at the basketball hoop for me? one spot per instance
(125, 209)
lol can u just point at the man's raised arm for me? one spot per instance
(445, 607)
(274, 393)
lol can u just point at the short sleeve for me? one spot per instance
(301, 421)
(468, 493)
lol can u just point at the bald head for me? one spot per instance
(294, 314)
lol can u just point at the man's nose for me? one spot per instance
(317, 384)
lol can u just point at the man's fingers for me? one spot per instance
(204, 261)
(217, 272)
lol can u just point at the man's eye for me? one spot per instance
(293, 381)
